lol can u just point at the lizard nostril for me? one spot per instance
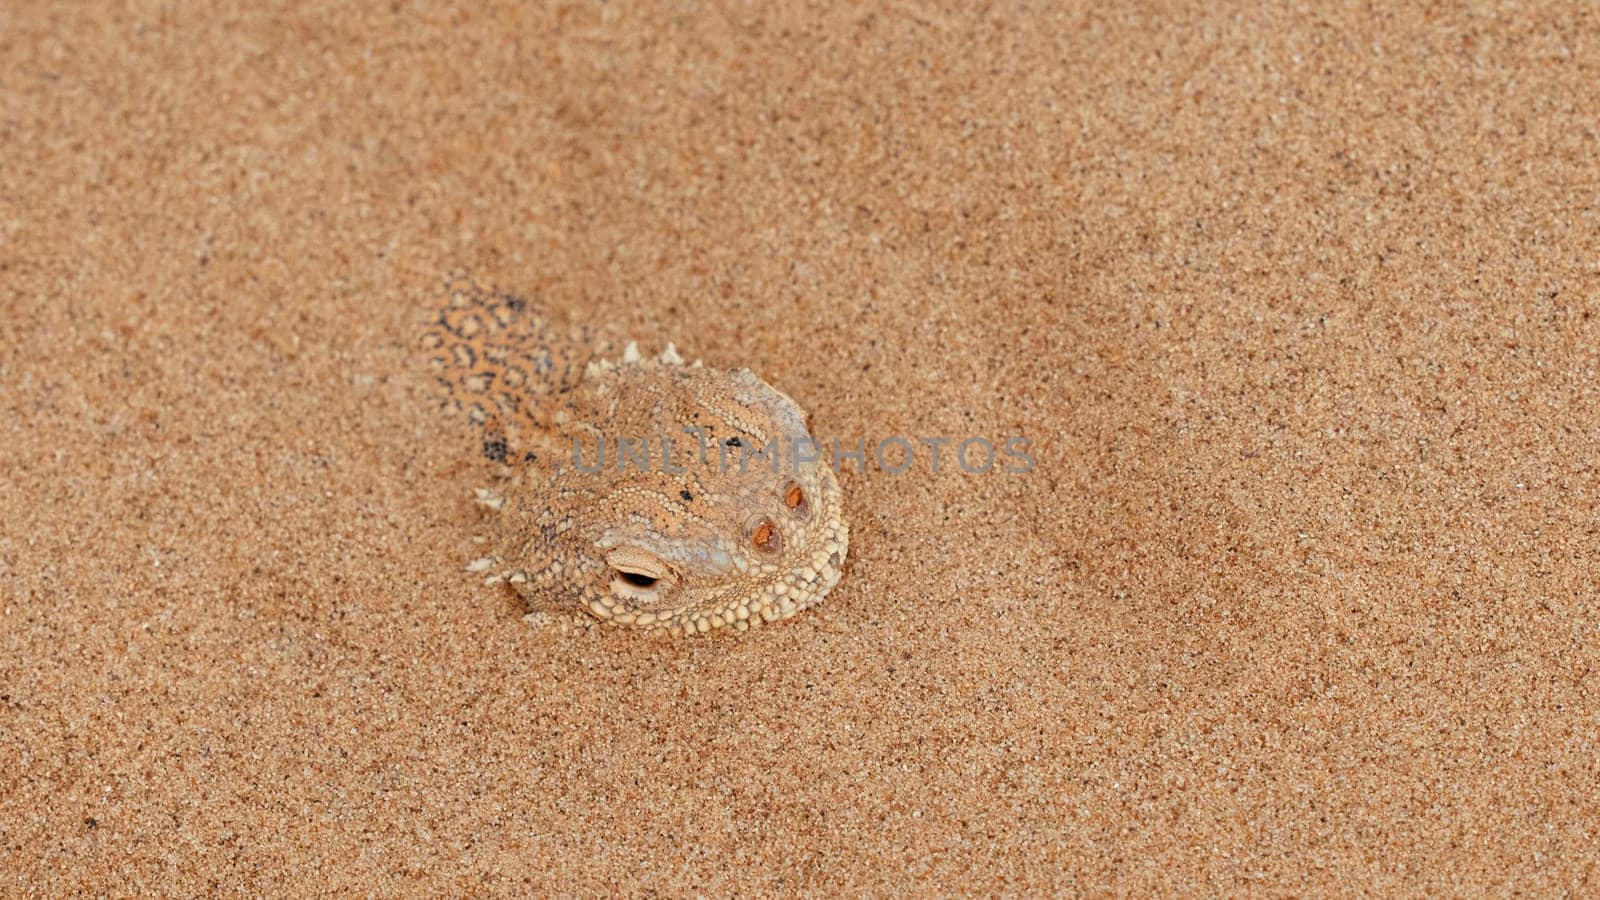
(795, 499)
(764, 536)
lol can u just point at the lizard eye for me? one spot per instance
(637, 579)
(795, 498)
(636, 575)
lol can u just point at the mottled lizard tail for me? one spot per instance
(502, 363)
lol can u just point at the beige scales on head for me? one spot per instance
(683, 529)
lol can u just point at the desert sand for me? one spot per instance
(1298, 306)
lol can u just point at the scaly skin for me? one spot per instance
(704, 536)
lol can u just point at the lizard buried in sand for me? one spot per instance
(684, 528)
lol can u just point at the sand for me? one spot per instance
(1297, 306)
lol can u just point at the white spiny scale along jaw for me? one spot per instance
(704, 534)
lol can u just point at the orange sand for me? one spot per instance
(1298, 306)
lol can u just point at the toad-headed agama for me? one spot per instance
(635, 490)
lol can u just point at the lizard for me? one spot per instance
(636, 491)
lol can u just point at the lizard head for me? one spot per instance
(696, 499)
